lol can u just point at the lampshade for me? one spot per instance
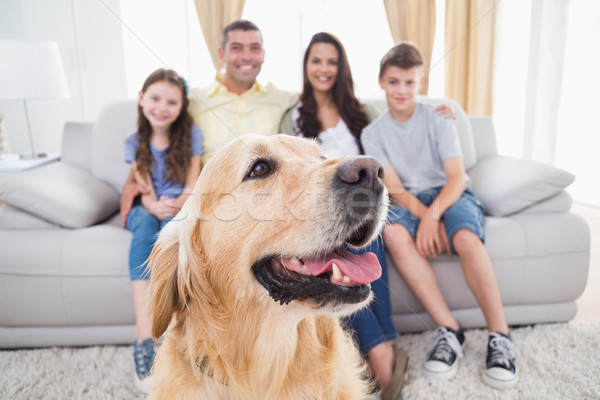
(31, 70)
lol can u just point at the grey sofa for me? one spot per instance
(63, 255)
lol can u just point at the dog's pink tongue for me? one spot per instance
(360, 269)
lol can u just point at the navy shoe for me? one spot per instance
(500, 369)
(442, 359)
(143, 355)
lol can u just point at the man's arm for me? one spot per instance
(130, 190)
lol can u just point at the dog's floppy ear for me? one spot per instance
(178, 270)
(164, 295)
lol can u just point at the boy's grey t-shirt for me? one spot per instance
(416, 148)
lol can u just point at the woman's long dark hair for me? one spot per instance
(349, 108)
(179, 151)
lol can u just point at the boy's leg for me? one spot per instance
(442, 359)
(418, 274)
(481, 279)
(464, 225)
(466, 230)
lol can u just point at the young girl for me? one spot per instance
(165, 157)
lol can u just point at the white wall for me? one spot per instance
(90, 43)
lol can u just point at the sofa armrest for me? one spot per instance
(484, 136)
(13, 218)
(76, 144)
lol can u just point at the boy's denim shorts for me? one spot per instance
(467, 213)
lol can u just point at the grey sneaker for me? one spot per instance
(442, 359)
(500, 369)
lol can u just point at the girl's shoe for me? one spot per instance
(143, 356)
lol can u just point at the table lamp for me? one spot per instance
(31, 70)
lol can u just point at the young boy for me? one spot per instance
(433, 211)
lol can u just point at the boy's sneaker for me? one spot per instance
(500, 370)
(143, 355)
(442, 359)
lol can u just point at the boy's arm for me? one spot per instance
(456, 184)
(399, 193)
(431, 235)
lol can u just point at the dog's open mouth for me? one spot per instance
(337, 277)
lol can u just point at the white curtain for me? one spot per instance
(544, 78)
(413, 20)
(214, 16)
(546, 87)
(469, 53)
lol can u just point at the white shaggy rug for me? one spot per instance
(558, 361)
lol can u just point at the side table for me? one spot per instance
(11, 163)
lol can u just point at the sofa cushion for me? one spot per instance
(62, 194)
(506, 185)
(559, 203)
(115, 122)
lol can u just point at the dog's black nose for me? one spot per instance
(359, 196)
(361, 171)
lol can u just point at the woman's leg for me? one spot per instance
(373, 325)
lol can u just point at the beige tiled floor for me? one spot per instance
(588, 305)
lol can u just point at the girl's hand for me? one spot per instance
(163, 208)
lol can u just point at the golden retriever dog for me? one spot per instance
(251, 277)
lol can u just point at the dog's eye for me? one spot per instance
(260, 169)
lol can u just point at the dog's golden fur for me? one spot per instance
(225, 337)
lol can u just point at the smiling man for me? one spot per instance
(236, 104)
